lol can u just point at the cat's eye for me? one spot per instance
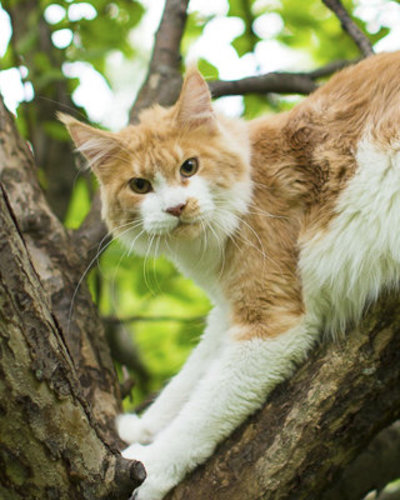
(139, 185)
(189, 167)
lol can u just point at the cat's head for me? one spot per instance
(182, 172)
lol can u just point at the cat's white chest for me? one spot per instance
(200, 263)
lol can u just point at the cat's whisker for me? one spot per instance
(86, 271)
(146, 259)
(220, 247)
(156, 250)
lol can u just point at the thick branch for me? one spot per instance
(57, 265)
(47, 424)
(350, 26)
(315, 424)
(163, 81)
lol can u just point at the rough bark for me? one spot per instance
(50, 446)
(59, 393)
(315, 424)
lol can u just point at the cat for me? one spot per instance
(288, 222)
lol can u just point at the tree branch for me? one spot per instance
(279, 82)
(91, 233)
(283, 83)
(54, 155)
(163, 81)
(154, 319)
(57, 264)
(314, 424)
(51, 423)
(350, 26)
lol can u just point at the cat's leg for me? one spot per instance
(135, 429)
(235, 385)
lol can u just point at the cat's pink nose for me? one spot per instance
(177, 210)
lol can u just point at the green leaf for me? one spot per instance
(209, 71)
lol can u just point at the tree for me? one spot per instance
(59, 389)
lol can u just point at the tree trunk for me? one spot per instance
(58, 391)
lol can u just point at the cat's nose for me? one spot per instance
(177, 210)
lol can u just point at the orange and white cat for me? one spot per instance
(288, 222)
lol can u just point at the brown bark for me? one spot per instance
(315, 424)
(59, 393)
(278, 82)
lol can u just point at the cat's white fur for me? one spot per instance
(346, 266)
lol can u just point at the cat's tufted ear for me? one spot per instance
(96, 145)
(194, 107)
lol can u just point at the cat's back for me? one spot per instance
(359, 100)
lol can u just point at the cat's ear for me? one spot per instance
(194, 107)
(96, 145)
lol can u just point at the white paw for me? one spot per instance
(160, 472)
(131, 429)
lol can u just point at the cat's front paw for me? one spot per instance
(131, 429)
(160, 472)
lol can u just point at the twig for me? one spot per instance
(350, 27)
(153, 319)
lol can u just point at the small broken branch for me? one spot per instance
(154, 319)
(348, 25)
